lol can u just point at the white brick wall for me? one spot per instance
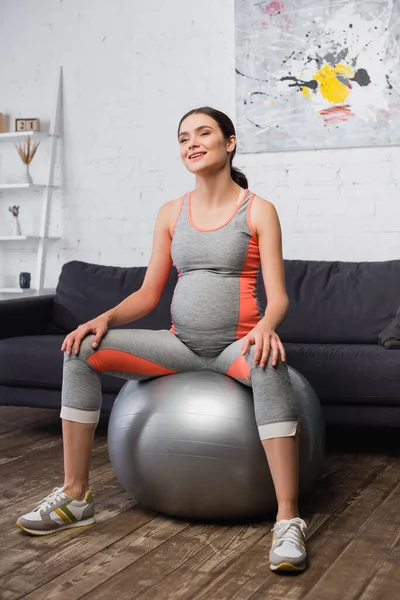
(131, 69)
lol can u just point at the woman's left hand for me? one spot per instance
(266, 340)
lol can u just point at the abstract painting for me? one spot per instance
(317, 75)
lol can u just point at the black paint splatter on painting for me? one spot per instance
(300, 83)
(338, 53)
(255, 124)
(288, 57)
(354, 60)
(317, 59)
(250, 76)
(361, 77)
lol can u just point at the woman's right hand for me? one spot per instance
(96, 326)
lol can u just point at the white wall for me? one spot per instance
(130, 70)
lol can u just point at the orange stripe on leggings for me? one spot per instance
(117, 360)
(239, 369)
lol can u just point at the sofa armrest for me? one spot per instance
(25, 316)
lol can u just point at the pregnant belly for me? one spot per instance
(205, 311)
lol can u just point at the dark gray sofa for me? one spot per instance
(331, 335)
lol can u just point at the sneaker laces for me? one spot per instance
(290, 531)
(54, 497)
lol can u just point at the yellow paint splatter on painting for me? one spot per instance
(330, 86)
(272, 100)
(304, 90)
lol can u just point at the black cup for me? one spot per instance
(25, 281)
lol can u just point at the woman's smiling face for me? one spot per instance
(202, 144)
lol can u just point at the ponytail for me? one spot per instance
(239, 178)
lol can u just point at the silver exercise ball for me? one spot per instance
(187, 445)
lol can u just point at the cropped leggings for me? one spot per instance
(141, 354)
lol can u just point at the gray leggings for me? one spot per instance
(141, 354)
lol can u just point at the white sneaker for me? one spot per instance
(58, 511)
(288, 550)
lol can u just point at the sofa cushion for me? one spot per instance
(36, 361)
(32, 361)
(85, 291)
(338, 373)
(330, 302)
(334, 302)
(390, 336)
(349, 373)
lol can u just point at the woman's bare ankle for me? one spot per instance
(287, 511)
(77, 491)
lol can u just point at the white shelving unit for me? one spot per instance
(15, 136)
(22, 238)
(10, 290)
(21, 186)
(47, 188)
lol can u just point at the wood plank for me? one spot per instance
(250, 576)
(23, 439)
(351, 572)
(48, 433)
(180, 550)
(25, 456)
(14, 418)
(72, 550)
(89, 574)
(39, 472)
(329, 541)
(121, 563)
(199, 572)
(23, 414)
(45, 452)
(25, 488)
(27, 460)
(108, 560)
(188, 578)
(33, 461)
(19, 548)
(385, 583)
(105, 487)
(338, 475)
(132, 553)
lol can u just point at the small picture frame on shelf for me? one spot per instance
(1, 123)
(27, 124)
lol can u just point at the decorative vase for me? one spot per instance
(16, 228)
(25, 281)
(27, 178)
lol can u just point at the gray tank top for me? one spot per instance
(215, 301)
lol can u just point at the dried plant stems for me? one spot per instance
(26, 151)
(14, 210)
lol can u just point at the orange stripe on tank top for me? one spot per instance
(117, 360)
(172, 329)
(248, 308)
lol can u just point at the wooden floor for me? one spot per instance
(353, 515)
